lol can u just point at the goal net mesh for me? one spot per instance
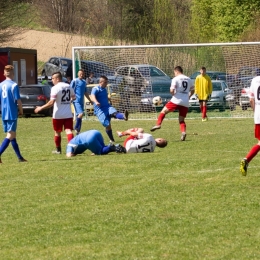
(136, 74)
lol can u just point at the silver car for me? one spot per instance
(55, 64)
(221, 97)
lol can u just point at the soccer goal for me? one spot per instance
(138, 73)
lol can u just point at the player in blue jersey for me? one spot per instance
(103, 109)
(91, 140)
(10, 101)
(80, 88)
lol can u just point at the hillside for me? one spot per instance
(50, 44)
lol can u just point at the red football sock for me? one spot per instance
(70, 136)
(183, 126)
(160, 118)
(253, 152)
(204, 112)
(57, 140)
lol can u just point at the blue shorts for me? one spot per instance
(9, 125)
(104, 114)
(79, 108)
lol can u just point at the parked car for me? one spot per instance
(214, 75)
(33, 96)
(98, 68)
(49, 81)
(244, 100)
(221, 97)
(144, 81)
(55, 64)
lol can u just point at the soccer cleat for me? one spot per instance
(22, 160)
(119, 133)
(156, 127)
(243, 166)
(126, 113)
(183, 136)
(120, 149)
(58, 151)
(77, 132)
(204, 119)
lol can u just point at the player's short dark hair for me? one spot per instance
(179, 68)
(104, 77)
(57, 74)
(81, 70)
(203, 68)
(162, 144)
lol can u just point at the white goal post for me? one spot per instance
(137, 73)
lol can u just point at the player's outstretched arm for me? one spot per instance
(47, 105)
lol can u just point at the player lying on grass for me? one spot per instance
(91, 140)
(140, 142)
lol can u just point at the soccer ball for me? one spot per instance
(157, 101)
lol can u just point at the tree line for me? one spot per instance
(140, 22)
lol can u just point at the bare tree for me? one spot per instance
(62, 15)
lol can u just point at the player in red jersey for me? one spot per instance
(181, 90)
(61, 96)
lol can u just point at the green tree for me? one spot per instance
(12, 17)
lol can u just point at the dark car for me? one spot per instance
(96, 67)
(33, 96)
(55, 64)
(214, 75)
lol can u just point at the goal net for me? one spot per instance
(139, 73)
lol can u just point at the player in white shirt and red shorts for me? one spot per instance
(254, 95)
(61, 96)
(140, 142)
(181, 89)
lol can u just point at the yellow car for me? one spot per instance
(89, 109)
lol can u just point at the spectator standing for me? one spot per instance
(103, 109)
(61, 96)
(203, 90)
(255, 104)
(181, 90)
(80, 89)
(91, 79)
(10, 99)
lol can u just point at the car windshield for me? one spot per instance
(31, 91)
(248, 72)
(217, 86)
(151, 72)
(66, 63)
(212, 75)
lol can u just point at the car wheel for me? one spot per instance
(49, 112)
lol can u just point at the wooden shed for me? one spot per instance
(24, 62)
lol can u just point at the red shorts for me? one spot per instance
(257, 131)
(172, 107)
(58, 124)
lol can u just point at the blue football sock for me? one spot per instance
(105, 150)
(16, 148)
(120, 116)
(110, 135)
(79, 122)
(4, 145)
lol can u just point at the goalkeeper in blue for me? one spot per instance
(10, 100)
(91, 140)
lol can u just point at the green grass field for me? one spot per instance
(187, 201)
